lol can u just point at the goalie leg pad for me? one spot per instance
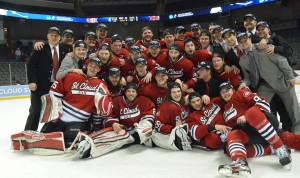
(144, 130)
(51, 108)
(182, 140)
(101, 142)
(39, 143)
(164, 141)
(103, 102)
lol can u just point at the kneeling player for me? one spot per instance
(67, 109)
(171, 130)
(130, 122)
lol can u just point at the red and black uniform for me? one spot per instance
(199, 56)
(245, 103)
(202, 124)
(183, 69)
(168, 113)
(234, 79)
(154, 92)
(127, 114)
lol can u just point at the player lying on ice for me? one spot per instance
(71, 102)
(252, 125)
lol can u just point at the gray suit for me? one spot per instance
(275, 74)
(67, 66)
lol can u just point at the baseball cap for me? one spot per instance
(159, 70)
(104, 46)
(167, 32)
(250, 16)
(217, 27)
(96, 60)
(242, 36)
(204, 65)
(131, 86)
(195, 25)
(174, 46)
(80, 43)
(154, 43)
(114, 71)
(172, 85)
(90, 34)
(180, 28)
(146, 28)
(228, 30)
(225, 85)
(116, 38)
(67, 32)
(140, 61)
(54, 29)
(262, 24)
(194, 95)
(129, 40)
(135, 48)
(101, 26)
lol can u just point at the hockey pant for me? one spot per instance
(176, 140)
(105, 140)
(39, 143)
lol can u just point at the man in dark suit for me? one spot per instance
(42, 68)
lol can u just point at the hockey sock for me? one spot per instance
(257, 150)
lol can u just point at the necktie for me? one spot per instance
(55, 63)
(80, 63)
(238, 51)
(207, 92)
(254, 73)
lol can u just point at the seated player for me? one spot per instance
(171, 132)
(249, 116)
(67, 109)
(131, 121)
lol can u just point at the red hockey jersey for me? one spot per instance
(127, 114)
(77, 92)
(168, 113)
(199, 121)
(154, 92)
(240, 102)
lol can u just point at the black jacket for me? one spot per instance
(213, 84)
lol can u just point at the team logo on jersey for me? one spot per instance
(83, 86)
(211, 113)
(175, 74)
(159, 100)
(246, 94)
(230, 113)
(127, 113)
(203, 120)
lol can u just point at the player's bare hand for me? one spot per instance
(241, 120)
(235, 69)
(242, 85)
(122, 61)
(190, 90)
(78, 71)
(123, 81)
(129, 79)
(32, 86)
(293, 82)
(117, 127)
(206, 99)
(227, 69)
(184, 87)
(223, 128)
(38, 45)
(262, 44)
(92, 55)
(148, 77)
(270, 49)
(70, 54)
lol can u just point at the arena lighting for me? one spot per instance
(26, 15)
(218, 9)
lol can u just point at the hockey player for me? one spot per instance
(157, 89)
(140, 71)
(113, 82)
(130, 122)
(171, 130)
(71, 102)
(246, 113)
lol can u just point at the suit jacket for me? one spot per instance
(273, 69)
(40, 67)
(231, 57)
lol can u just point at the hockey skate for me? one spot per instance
(284, 155)
(83, 150)
(238, 168)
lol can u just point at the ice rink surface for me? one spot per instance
(132, 162)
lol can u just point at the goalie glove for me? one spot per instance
(144, 129)
(102, 101)
(51, 108)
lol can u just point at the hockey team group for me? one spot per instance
(198, 89)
